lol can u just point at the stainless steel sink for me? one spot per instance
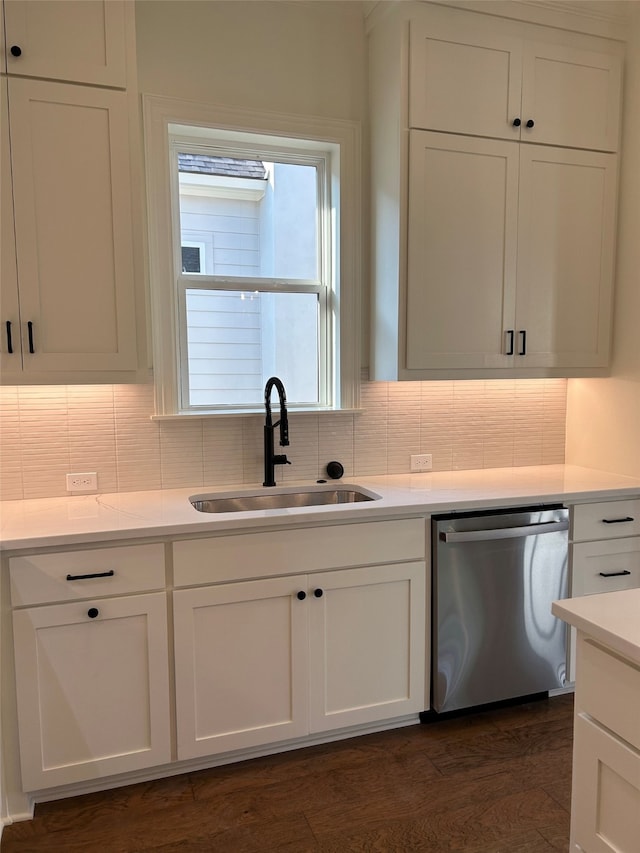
(245, 502)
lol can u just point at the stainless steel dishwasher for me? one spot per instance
(495, 575)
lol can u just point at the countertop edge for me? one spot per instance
(610, 618)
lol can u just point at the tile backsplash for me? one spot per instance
(49, 431)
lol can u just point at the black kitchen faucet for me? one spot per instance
(272, 459)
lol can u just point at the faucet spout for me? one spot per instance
(271, 459)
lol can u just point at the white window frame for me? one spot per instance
(165, 116)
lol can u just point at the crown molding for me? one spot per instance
(610, 11)
(607, 18)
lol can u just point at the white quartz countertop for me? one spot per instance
(612, 618)
(81, 519)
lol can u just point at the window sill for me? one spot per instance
(231, 413)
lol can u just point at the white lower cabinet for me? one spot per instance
(261, 655)
(604, 553)
(605, 806)
(92, 688)
(269, 660)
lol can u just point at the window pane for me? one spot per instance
(190, 259)
(236, 341)
(259, 217)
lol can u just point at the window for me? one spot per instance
(260, 283)
(192, 256)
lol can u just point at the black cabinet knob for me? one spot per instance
(517, 122)
(92, 612)
(530, 123)
(318, 592)
(14, 50)
(301, 595)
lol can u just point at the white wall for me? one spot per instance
(294, 57)
(603, 415)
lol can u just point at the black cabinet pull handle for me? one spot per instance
(617, 520)
(613, 574)
(530, 123)
(15, 50)
(301, 595)
(108, 574)
(516, 122)
(523, 347)
(9, 338)
(30, 332)
(318, 592)
(511, 336)
(92, 612)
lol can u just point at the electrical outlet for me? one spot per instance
(87, 482)
(421, 462)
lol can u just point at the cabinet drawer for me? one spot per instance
(606, 520)
(605, 566)
(46, 578)
(607, 689)
(202, 561)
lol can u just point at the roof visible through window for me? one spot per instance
(233, 167)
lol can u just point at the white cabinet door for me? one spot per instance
(92, 688)
(73, 40)
(462, 245)
(566, 235)
(73, 224)
(10, 351)
(476, 75)
(367, 644)
(464, 77)
(241, 665)
(571, 96)
(605, 804)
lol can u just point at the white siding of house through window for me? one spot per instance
(231, 235)
(224, 348)
(224, 331)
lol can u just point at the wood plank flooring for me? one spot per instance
(494, 782)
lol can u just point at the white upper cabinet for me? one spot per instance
(71, 311)
(73, 40)
(510, 254)
(482, 80)
(72, 201)
(493, 193)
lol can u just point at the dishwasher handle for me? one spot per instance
(503, 532)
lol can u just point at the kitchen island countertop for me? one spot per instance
(78, 519)
(612, 618)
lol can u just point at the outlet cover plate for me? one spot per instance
(83, 482)
(421, 462)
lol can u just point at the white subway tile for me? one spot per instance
(48, 431)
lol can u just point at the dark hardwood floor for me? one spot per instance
(495, 782)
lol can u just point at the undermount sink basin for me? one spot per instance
(243, 502)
